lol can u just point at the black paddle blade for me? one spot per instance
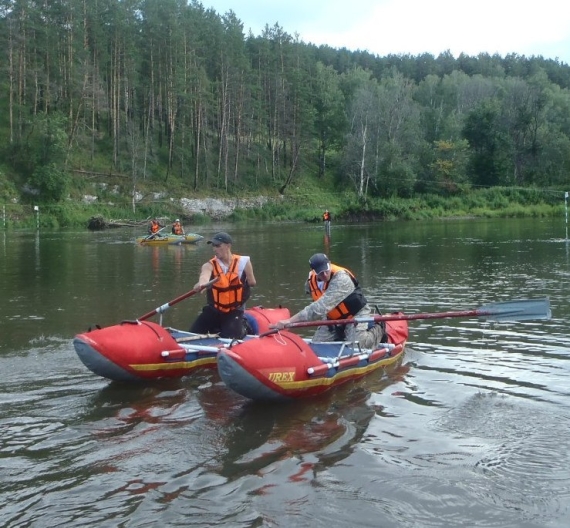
(521, 310)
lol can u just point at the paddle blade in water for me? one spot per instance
(521, 310)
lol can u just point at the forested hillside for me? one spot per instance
(165, 92)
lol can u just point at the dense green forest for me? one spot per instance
(168, 94)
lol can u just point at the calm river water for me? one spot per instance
(471, 429)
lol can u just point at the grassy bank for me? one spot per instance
(300, 207)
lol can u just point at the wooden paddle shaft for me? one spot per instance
(165, 307)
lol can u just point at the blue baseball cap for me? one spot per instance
(319, 262)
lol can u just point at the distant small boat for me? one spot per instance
(169, 240)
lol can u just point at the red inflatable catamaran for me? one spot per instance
(267, 364)
(143, 350)
(284, 366)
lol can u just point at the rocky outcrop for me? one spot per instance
(215, 208)
(219, 208)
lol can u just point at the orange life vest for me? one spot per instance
(326, 216)
(349, 306)
(177, 229)
(232, 290)
(154, 227)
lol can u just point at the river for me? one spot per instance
(470, 429)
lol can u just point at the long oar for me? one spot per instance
(164, 307)
(154, 235)
(520, 310)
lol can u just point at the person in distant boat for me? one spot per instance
(336, 295)
(224, 311)
(154, 227)
(177, 228)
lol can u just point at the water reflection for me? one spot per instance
(260, 434)
(327, 243)
(135, 403)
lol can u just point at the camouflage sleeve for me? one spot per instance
(340, 287)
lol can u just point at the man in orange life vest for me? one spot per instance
(177, 228)
(154, 227)
(336, 295)
(226, 298)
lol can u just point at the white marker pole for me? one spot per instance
(566, 209)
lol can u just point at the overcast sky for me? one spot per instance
(415, 26)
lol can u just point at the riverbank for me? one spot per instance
(488, 203)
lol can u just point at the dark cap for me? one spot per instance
(220, 238)
(319, 262)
